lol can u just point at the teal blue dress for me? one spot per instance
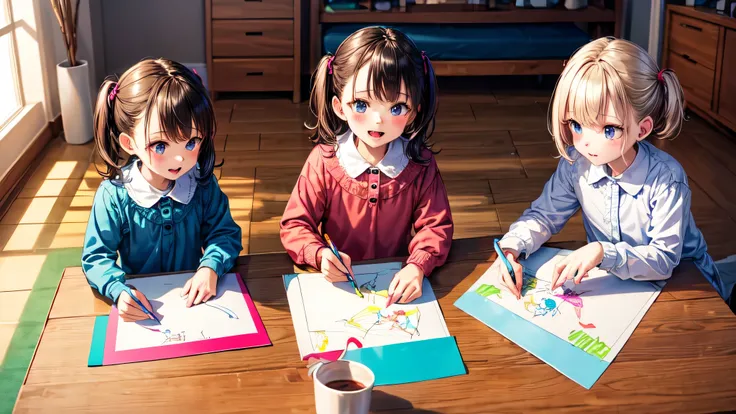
(182, 229)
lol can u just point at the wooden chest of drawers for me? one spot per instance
(254, 45)
(700, 46)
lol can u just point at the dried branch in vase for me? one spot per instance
(67, 14)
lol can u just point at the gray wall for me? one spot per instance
(637, 22)
(137, 29)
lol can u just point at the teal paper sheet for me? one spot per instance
(572, 362)
(97, 348)
(411, 361)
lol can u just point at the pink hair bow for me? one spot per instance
(114, 92)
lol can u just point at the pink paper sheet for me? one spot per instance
(253, 340)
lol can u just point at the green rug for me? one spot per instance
(20, 352)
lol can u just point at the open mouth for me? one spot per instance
(375, 134)
(174, 171)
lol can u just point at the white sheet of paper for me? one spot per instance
(225, 315)
(599, 314)
(325, 315)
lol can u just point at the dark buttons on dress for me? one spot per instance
(374, 186)
(374, 170)
(165, 211)
(167, 227)
(373, 200)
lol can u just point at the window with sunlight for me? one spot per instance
(10, 96)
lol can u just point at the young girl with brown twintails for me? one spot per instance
(372, 181)
(160, 208)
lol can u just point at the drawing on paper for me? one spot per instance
(181, 336)
(529, 283)
(596, 316)
(227, 321)
(586, 342)
(225, 310)
(168, 336)
(225, 315)
(322, 340)
(488, 290)
(546, 302)
(370, 288)
(397, 320)
(325, 315)
(546, 306)
(574, 299)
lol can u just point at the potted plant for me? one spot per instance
(73, 78)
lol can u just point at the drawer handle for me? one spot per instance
(254, 74)
(253, 1)
(689, 59)
(254, 33)
(689, 26)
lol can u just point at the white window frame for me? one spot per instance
(9, 30)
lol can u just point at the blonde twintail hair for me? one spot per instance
(619, 72)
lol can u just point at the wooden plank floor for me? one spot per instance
(495, 157)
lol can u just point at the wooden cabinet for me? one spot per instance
(727, 97)
(254, 46)
(700, 46)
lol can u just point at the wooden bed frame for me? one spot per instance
(600, 19)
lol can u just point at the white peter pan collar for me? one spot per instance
(392, 164)
(145, 195)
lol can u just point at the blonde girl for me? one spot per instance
(634, 197)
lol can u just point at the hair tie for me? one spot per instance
(425, 59)
(329, 64)
(660, 76)
(114, 92)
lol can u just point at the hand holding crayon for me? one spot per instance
(336, 265)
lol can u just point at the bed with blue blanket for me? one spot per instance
(479, 41)
(537, 46)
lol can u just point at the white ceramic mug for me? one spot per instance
(332, 401)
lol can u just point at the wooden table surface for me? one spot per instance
(680, 358)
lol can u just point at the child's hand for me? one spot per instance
(577, 264)
(407, 285)
(500, 268)
(129, 310)
(331, 267)
(201, 287)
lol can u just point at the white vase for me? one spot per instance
(76, 105)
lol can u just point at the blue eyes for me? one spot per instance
(396, 110)
(360, 106)
(399, 109)
(160, 147)
(576, 128)
(192, 144)
(609, 131)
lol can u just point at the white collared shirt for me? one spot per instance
(392, 164)
(641, 219)
(146, 195)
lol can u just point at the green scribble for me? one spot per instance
(587, 343)
(488, 290)
(528, 284)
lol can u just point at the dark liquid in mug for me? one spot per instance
(345, 385)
